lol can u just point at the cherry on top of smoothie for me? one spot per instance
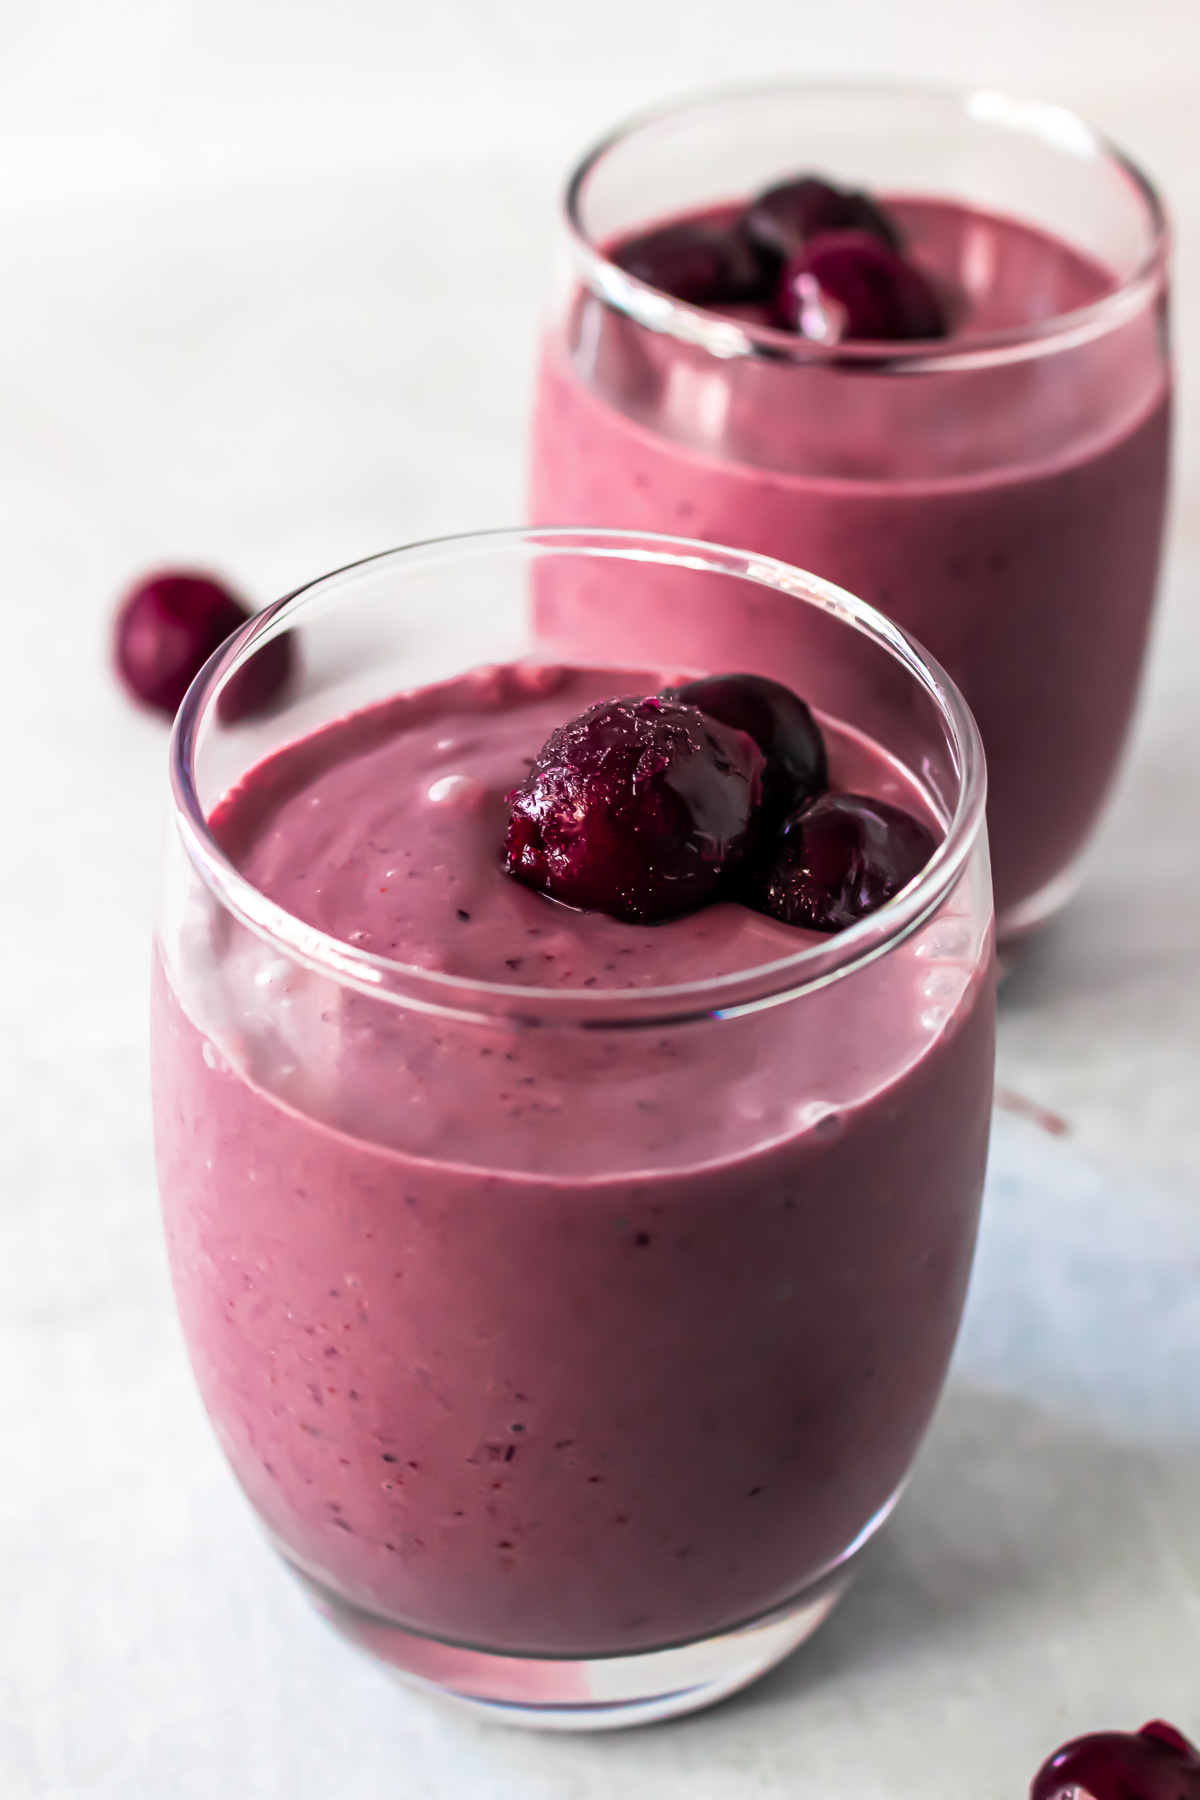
(1155, 1763)
(640, 807)
(848, 267)
(785, 218)
(837, 859)
(782, 726)
(385, 830)
(822, 261)
(648, 807)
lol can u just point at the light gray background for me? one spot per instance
(271, 272)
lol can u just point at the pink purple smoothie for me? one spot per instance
(552, 1340)
(1010, 518)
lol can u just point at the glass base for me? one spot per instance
(602, 1693)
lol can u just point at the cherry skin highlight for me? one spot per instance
(699, 263)
(638, 808)
(835, 860)
(847, 286)
(787, 217)
(781, 725)
(1155, 1763)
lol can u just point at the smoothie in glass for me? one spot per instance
(568, 1294)
(999, 491)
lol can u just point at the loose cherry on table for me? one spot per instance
(780, 724)
(1155, 1763)
(848, 286)
(637, 808)
(836, 860)
(167, 627)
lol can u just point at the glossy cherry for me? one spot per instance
(167, 627)
(701, 263)
(836, 860)
(787, 217)
(637, 808)
(1155, 1763)
(847, 285)
(780, 724)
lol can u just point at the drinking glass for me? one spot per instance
(570, 1344)
(1000, 493)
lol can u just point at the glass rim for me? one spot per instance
(726, 338)
(466, 998)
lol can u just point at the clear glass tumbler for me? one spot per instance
(571, 1343)
(1000, 492)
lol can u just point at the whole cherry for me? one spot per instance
(166, 628)
(848, 286)
(638, 808)
(1155, 1763)
(835, 860)
(786, 217)
(781, 725)
(698, 262)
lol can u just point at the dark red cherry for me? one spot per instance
(1155, 1763)
(848, 286)
(702, 264)
(780, 724)
(168, 626)
(785, 218)
(166, 629)
(637, 808)
(836, 860)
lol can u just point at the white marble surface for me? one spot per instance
(266, 311)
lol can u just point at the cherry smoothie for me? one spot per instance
(470, 1388)
(572, 1081)
(998, 491)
